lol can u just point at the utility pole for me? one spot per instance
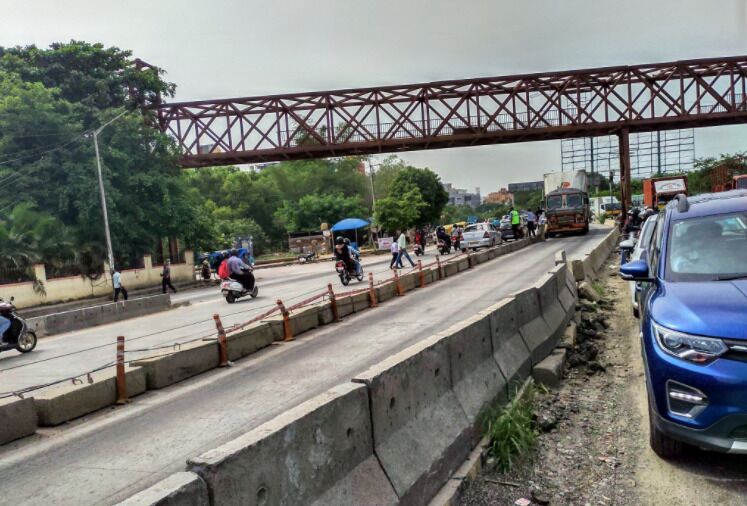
(371, 177)
(96, 133)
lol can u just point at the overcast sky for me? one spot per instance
(230, 48)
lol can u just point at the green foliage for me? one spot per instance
(308, 213)
(511, 431)
(401, 210)
(431, 190)
(528, 200)
(602, 218)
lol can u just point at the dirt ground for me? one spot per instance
(593, 443)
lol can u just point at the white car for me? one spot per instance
(480, 235)
(641, 246)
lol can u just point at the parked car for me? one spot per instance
(480, 235)
(508, 233)
(693, 323)
(638, 248)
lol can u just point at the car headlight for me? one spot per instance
(696, 349)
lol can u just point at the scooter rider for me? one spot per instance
(443, 236)
(240, 271)
(345, 253)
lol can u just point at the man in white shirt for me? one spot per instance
(402, 244)
(117, 283)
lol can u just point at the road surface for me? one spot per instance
(106, 457)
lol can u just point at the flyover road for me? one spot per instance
(107, 456)
(65, 355)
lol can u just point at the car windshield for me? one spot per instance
(472, 228)
(554, 202)
(708, 248)
(574, 200)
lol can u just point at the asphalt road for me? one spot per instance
(105, 457)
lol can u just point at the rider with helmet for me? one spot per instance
(240, 271)
(345, 253)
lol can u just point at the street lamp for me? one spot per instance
(371, 166)
(101, 187)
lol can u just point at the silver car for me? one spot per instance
(641, 246)
(480, 235)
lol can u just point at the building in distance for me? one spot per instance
(502, 196)
(460, 197)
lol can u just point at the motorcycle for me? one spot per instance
(18, 336)
(443, 248)
(232, 290)
(306, 257)
(418, 249)
(345, 275)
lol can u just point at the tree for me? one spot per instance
(432, 192)
(312, 210)
(400, 211)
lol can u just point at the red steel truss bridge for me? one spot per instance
(465, 112)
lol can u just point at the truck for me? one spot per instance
(567, 202)
(724, 178)
(658, 191)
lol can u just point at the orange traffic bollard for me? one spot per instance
(121, 381)
(287, 332)
(333, 302)
(372, 291)
(438, 263)
(397, 284)
(222, 342)
(421, 275)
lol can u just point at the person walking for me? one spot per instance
(402, 244)
(117, 284)
(531, 223)
(515, 222)
(166, 277)
(396, 260)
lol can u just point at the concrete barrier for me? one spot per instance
(476, 379)
(318, 453)
(409, 281)
(17, 419)
(179, 489)
(533, 328)
(190, 360)
(385, 291)
(304, 319)
(509, 349)
(344, 306)
(76, 319)
(562, 276)
(324, 313)
(56, 405)
(463, 264)
(552, 311)
(249, 340)
(450, 269)
(361, 301)
(421, 433)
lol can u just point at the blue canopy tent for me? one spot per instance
(350, 224)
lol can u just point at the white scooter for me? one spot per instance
(232, 290)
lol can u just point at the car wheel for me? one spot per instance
(662, 445)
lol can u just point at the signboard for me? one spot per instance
(670, 186)
(385, 243)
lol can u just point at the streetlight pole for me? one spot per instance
(96, 133)
(371, 177)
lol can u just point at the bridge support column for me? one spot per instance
(625, 197)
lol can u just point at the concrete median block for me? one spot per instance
(533, 328)
(17, 419)
(553, 313)
(509, 349)
(421, 433)
(361, 301)
(60, 404)
(549, 372)
(190, 360)
(385, 291)
(248, 341)
(565, 296)
(318, 453)
(463, 264)
(577, 267)
(345, 306)
(476, 378)
(450, 269)
(179, 489)
(409, 281)
(304, 319)
(324, 313)
(429, 276)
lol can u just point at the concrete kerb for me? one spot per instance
(17, 419)
(552, 311)
(509, 349)
(56, 405)
(320, 453)
(178, 489)
(533, 328)
(249, 340)
(476, 379)
(190, 360)
(408, 392)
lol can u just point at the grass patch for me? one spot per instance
(598, 287)
(511, 430)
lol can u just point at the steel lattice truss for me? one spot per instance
(468, 112)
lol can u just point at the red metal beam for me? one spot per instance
(469, 112)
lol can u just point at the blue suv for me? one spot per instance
(693, 308)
